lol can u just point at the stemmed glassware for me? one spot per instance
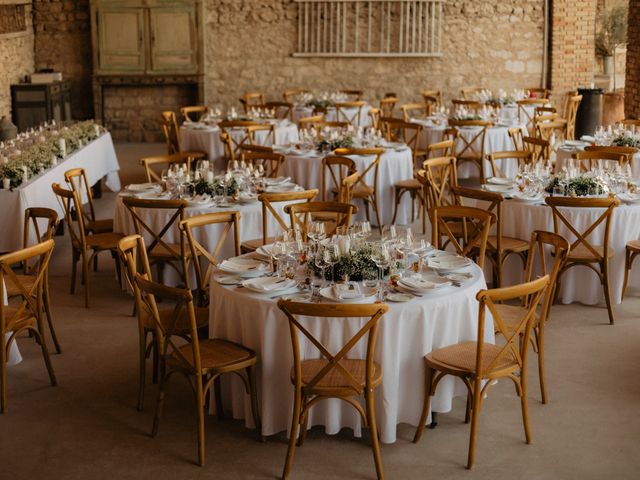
(316, 232)
(320, 263)
(331, 254)
(382, 258)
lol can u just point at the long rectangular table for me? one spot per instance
(98, 159)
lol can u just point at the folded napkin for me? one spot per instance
(276, 181)
(588, 138)
(268, 284)
(349, 291)
(139, 187)
(241, 265)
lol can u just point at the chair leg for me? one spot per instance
(3, 377)
(303, 422)
(467, 409)
(376, 209)
(295, 425)
(142, 378)
(398, 194)
(159, 405)
(627, 266)
(45, 354)
(607, 294)
(428, 380)
(373, 428)
(74, 268)
(524, 401)
(200, 407)
(475, 414)
(85, 277)
(218, 393)
(540, 345)
(253, 392)
(47, 309)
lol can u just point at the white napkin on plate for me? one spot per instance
(269, 284)
(347, 291)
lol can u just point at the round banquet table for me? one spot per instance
(207, 139)
(406, 333)
(395, 165)
(564, 153)
(497, 140)
(302, 111)
(578, 284)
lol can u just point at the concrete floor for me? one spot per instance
(88, 427)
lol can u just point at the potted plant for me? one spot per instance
(612, 33)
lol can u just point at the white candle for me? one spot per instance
(6, 183)
(62, 145)
(54, 160)
(96, 129)
(209, 176)
(196, 175)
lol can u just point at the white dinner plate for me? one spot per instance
(521, 197)
(399, 297)
(283, 188)
(227, 279)
(497, 188)
(630, 198)
(277, 181)
(269, 284)
(501, 181)
(143, 187)
(367, 293)
(199, 201)
(244, 267)
(448, 263)
(424, 283)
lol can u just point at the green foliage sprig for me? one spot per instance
(626, 140)
(202, 187)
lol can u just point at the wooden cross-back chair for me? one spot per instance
(246, 132)
(522, 157)
(387, 106)
(85, 247)
(428, 95)
(283, 110)
(551, 129)
(469, 93)
(479, 363)
(632, 123)
(499, 246)
(25, 316)
(526, 112)
(76, 178)
(516, 134)
(271, 162)
(591, 159)
(345, 195)
(538, 147)
(375, 114)
(194, 113)
(350, 112)
(314, 121)
(475, 223)
(334, 214)
(629, 152)
(190, 230)
(333, 375)
(437, 177)
(292, 95)
(355, 95)
(569, 116)
(161, 252)
(416, 110)
(201, 362)
(537, 266)
(252, 99)
(539, 92)
(33, 233)
(471, 148)
(151, 164)
(584, 251)
(269, 202)
(335, 169)
(133, 255)
(169, 126)
(398, 130)
(363, 190)
(473, 105)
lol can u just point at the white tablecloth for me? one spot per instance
(497, 140)
(564, 153)
(300, 112)
(306, 170)
(208, 140)
(579, 284)
(98, 159)
(406, 333)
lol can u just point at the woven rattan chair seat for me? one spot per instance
(104, 241)
(26, 281)
(634, 245)
(104, 225)
(461, 357)
(512, 314)
(335, 378)
(410, 184)
(166, 252)
(583, 254)
(219, 354)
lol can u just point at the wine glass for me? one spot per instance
(316, 231)
(389, 233)
(331, 255)
(382, 258)
(320, 263)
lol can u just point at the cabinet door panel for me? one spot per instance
(173, 39)
(121, 39)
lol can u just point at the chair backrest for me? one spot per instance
(582, 237)
(158, 243)
(571, 111)
(538, 147)
(268, 139)
(387, 106)
(595, 158)
(522, 157)
(75, 223)
(293, 95)
(314, 121)
(283, 110)
(334, 362)
(537, 265)
(415, 110)
(29, 294)
(427, 95)
(194, 113)
(471, 146)
(271, 162)
(373, 166)
(244, 129)
(350, 112)
(444, 148)
(399, 130)
(538, 92)
(516, 134)
(629, 152)
(516, 346)
(150, 164)
(356, 95)
(168, 334)
(335, 169)
(345, 195)
(473, 105)
(252, 99)
(338, 214)
(269, 199)
(375, 114)
(76, 178)
(439, 176)
(34, 217)
(133, 254)
(549, 130)
(191, 230)
(469, 93)
(526, 111)
(632, 123)
(475, 229)
(169, 126)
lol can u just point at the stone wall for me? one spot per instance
(16, 60)
(63, 42)
(572, 45)
(489, 43)
(632, 81)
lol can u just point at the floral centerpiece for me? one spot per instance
(578, 186)
(323, 100)
(40, 150)
(335, 141)
(464, 116)
(626, 139)
(214, 188)
(354, 265)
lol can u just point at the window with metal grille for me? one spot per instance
(369, 28)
